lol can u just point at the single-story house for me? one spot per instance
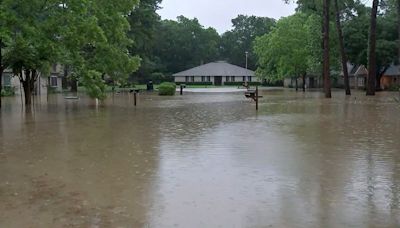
(357, 76)
(311, 82)
(391, 77)
(43, 83)
(217, 73)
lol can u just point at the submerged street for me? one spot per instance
(202, 160)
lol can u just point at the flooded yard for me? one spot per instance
(202, 160)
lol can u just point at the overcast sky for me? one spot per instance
(218, 13)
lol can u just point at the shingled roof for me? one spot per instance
(220, 68)
(393, 71)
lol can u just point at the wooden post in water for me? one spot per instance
(135, 98)
(257, 98)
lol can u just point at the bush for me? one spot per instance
(7, 91)
(166, 89)
(394, 88)
(195, 83)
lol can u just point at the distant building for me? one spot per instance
(391, 77)
(357, 76)
(311, 82)
(216, 73)
(43, 83)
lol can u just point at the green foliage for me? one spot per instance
(166, 89)
(293, 48)
(184, 44)
(89, 36)
(240, 39)
(95, 86)
(7, 91)
(394, 88)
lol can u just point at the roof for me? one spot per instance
(361, 71)
(393, 71)
(220, 68)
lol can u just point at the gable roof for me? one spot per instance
(220, 68)
(392, 71)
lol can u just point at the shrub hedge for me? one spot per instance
(166, 89)
(7, 91)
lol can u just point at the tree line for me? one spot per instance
(323, 36)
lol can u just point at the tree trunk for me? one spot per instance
(398, 25)
(26, 84)
(342, 51)
(304, 82)
(297, 85)
(74, 85)
(1, 69)
(372, 51)
(65, 77)
(326, 59)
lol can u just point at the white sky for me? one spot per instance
(218, 13)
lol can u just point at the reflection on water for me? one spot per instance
(202, 160)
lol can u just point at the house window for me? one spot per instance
(192, 78)
(203, 78)
(7, 80)
(233, 78)
(187, 79)
(227, 78)
(209, 78)
(244, 78)
(53, 81)
(249, 78)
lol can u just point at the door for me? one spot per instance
(218, 80)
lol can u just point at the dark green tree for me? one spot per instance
(185, 43)
(236, 42)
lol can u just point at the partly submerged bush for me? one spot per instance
(166, 89)
(7, 91)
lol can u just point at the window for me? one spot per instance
(249, 78)
(244, 78)
(203, 78)
(192, 78)
(187, 79)
(233, 78)
(227, 78)
(209, 78)
(53, 81)
(7, 80)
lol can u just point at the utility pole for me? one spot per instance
(247, 55)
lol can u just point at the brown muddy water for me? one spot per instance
(202, 160)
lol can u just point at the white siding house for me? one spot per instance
(43, 83)
(217, 73)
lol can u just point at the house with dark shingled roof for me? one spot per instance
(216, 73)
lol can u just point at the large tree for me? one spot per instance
(236, 42)
(371, 81)
(342, 48)
(282, 54)
(326, 48)
(144, 22)
(185, 43)
(89, 35)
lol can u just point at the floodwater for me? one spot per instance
(202, 160)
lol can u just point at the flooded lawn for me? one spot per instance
(202, 160)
